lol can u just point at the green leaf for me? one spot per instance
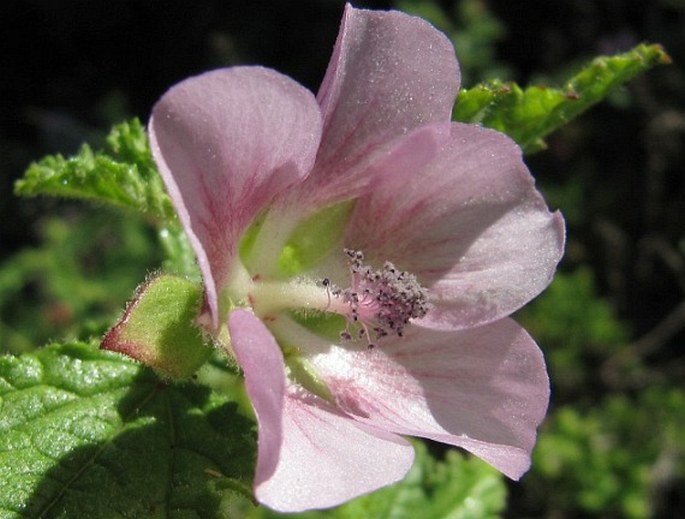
(456, 487)
(87, 433)
(476, 104)
(123, 175)
(528, 115)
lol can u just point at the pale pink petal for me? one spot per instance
(389, 74)
(260, 357)
(484, 389)
(470, 225)
(327, 458)
(226, 142)
(310, 454)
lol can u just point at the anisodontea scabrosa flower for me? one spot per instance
(360, 255)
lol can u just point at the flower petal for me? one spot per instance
(470, 225)
(260, 357)
(310, 454)
(389, 73)
(327, 458)
(484, 389)
(226, 142)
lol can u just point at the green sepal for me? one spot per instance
(529, 114)
(123, 174)
(158, 327)
(87, 433)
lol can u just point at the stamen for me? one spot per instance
(381, 301)
(327, 285)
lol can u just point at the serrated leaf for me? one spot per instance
(123, 175)
(475, 104)
(529, 114)
(456, 487)
(86, 433)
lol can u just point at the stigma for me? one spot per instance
(379, 302)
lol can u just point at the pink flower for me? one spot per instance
(360, 256)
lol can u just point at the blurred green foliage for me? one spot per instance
(577, 328)
(601, 452)
(614, 459)
(76, 281)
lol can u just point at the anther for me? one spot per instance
(327, 285)
(387, 298)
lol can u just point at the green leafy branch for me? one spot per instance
(123, 174)
(530, 114)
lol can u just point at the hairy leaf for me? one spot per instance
(124, 174)
(87, 433)
(529, 114)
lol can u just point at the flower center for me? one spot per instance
(382, 301)
(378, 302)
